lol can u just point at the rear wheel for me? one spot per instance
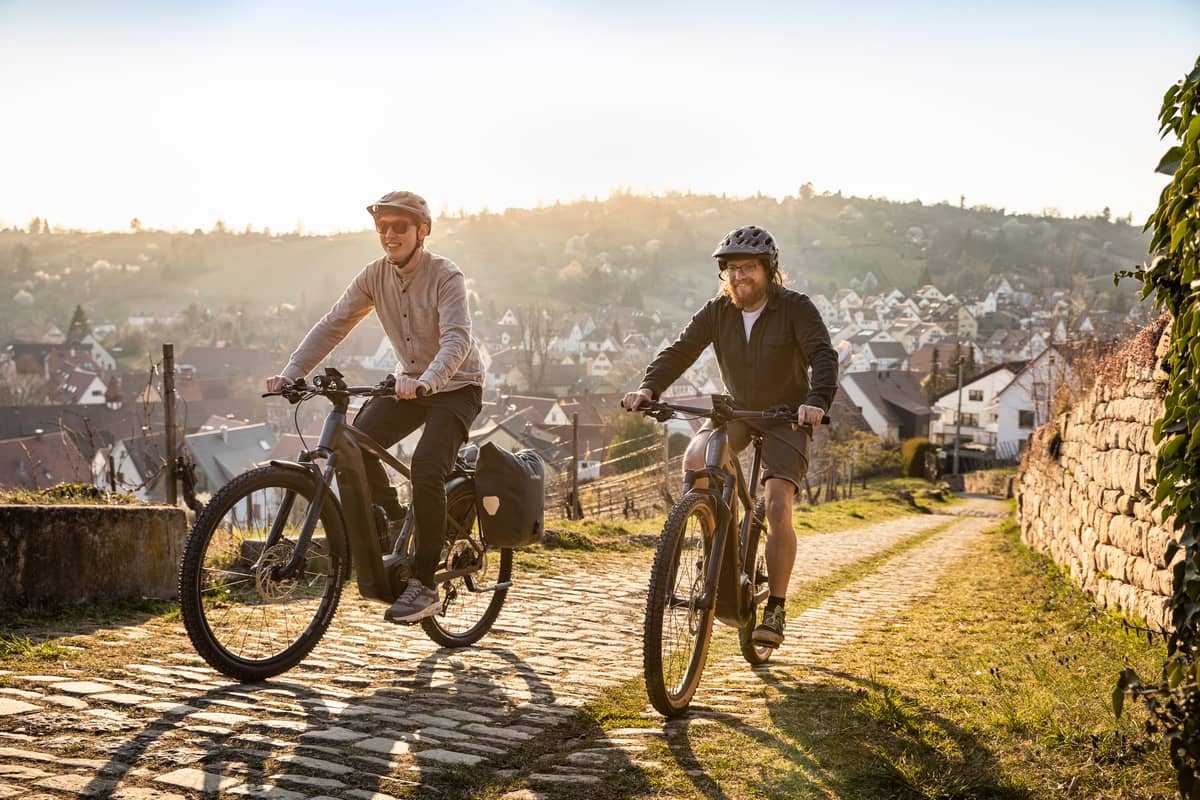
(467, 613)
(756, 569)
(242, 618)
(676, 633)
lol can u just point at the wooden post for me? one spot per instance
(168, 368)
(576, 506)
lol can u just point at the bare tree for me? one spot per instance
(535, 342)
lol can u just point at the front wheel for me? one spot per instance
(676, 633)
(242, 618)
(756, 571)
(470, 569)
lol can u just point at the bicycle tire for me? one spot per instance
(672, 670)
(465, 615)
(243, 623)
(756, 567)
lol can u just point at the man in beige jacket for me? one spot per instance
(421, 300)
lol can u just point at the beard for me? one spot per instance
(740, 302)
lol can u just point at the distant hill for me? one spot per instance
(629, 249)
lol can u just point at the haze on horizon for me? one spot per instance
(274, 115)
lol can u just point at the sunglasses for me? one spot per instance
(400, 227)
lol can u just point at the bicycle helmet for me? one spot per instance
(407, 202)
(750, 241)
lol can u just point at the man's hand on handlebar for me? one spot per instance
(278, 383)
(633, 400)
(808, 415)
(408, 388)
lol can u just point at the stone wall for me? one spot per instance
(996, 482)
(88, 553)
(1083, 490)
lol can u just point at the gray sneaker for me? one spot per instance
(415, 603)
(770, 632)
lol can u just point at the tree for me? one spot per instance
(79, 326)
(135, 225)
(535, 343)
(634, 442)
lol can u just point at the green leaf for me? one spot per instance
(1170, 161)
(1118, 701)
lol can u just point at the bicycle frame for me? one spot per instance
(341, 445)
(725, 579)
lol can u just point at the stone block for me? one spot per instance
(83, 553)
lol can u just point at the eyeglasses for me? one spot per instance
(400, 227)
(733, 269)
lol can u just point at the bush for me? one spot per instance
(912, 457)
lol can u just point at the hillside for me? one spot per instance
(628, 249)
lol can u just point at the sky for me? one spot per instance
(297, 115)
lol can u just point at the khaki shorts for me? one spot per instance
(785, 451)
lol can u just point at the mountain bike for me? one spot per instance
(265, 564)
(702, 568)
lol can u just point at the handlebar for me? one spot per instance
(331, 384)
(721, 412)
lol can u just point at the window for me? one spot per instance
(975, 395)
(970, 420)
(1026, 418)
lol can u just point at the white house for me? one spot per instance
(1027, 401)
(978, 398)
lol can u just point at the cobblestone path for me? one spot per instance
(379, 709)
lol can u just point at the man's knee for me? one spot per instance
(777, 497)
(693, 457)
(428, 471)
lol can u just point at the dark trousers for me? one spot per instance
(447, 418)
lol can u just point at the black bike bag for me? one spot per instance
(510, 496)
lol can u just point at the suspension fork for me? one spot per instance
(311, 517)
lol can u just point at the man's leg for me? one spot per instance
(387, 420)
(693, 457)
(778, 494)
(431, 464)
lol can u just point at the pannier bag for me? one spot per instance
(510, 496)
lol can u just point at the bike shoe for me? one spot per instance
(770, 632)
(415, 603)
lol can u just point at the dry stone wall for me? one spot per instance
(1083, 494)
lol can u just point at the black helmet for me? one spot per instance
(407, 202)
(750, 241)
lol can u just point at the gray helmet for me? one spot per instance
(750, 241)
(407, 202)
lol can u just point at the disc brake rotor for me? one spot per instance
(269, 587)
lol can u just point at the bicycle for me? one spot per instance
(264, 567)
(700, 570)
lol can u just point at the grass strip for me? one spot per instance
(995, 686)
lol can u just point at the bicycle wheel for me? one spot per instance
(756, 568)
(466, 613)
(246, 623)
(676, 633)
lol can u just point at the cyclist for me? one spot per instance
(421, 300)
(766, 338)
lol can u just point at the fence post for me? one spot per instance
(576, 506)
(168, 368)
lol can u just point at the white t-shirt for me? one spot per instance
(748, 317)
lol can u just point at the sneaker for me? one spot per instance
(770, 632)
(416, 602)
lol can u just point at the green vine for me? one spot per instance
(1172, 278)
